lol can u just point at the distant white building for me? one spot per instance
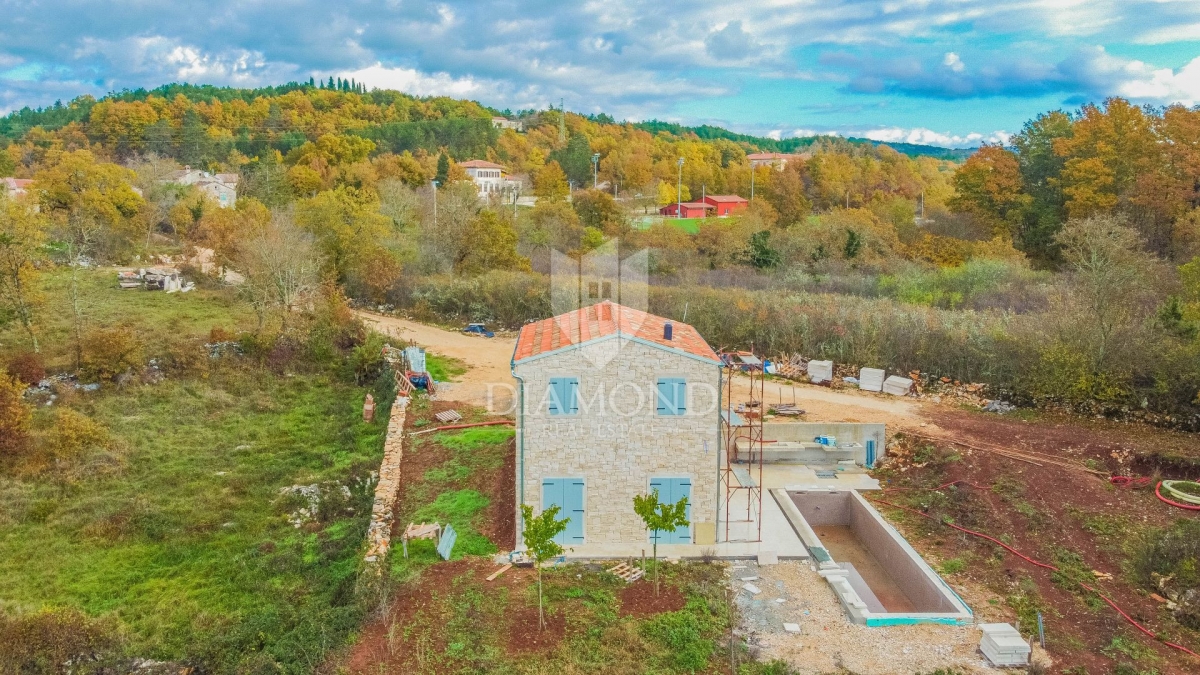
(220, 186)
(777, 160)
(489, 178)
(505, 123)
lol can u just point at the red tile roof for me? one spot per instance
(479, 164)
(602, 320)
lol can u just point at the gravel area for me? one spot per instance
(828, 642)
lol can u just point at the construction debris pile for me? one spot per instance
(166, 279)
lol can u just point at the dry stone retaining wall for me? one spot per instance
(379, 534)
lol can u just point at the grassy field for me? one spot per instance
(148, 312)
(176, 538)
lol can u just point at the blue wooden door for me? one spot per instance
(567, 495)
(671, 490)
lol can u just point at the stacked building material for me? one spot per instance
(1003, 645)
(871, 379)
(897, 386)
(820, 371)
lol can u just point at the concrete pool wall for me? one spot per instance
(880, 580)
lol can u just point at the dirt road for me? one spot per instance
(489, 380)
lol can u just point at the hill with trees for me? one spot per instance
(1060, 269)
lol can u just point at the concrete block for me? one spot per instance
(752, 589)
(791, 627)
(897, 386)
(820, 371)
(871, 379)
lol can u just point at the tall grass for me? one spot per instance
(183, 537)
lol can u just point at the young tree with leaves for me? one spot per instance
(660, 517)
(89, 201)
(22, 233)
(538, 535)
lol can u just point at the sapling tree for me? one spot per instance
(539, 534)
(660, 517)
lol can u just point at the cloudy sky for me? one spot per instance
(946, 72)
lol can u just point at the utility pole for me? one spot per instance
(679, 192)
(752, 181)
(595, 171)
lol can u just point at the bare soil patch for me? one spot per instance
(1074, 520)
(523, 636)
(638, 599)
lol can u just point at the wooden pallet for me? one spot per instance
(448, 416)
(629, 574)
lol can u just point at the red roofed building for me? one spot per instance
(725, 204)
(615, 402)
(689, 210)
(15, 186)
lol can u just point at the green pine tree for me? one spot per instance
(443, 169)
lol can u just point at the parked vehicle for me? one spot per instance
(478, 329)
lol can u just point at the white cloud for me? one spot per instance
(924, 136)
(1138, 80)
(953, 62)
(1182, 33)
(414, 82)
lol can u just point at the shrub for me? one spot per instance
(27, 367)
(73, 433)
(15, 415)
(58, 641)
(366, 360)
(1171, 551)
(185, 357)
(109, 352)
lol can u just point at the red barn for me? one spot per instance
(725, 204)
(688, 209)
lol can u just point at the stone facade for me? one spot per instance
(617, 442)
(379, 532)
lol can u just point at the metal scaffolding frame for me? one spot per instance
(742, 424)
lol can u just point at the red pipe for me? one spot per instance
(1181, 505)
(473, 424)
(1039, 564)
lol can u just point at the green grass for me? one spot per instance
(444, 368)
(150, 312)
(182, 534)
(444, 492)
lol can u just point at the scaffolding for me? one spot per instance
(742, 465)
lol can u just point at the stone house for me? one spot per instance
(613, 402)
(220, 186)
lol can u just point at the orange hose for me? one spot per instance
(1158, 493)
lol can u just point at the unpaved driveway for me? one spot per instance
(488, 381)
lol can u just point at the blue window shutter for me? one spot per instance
(672, 396)
(664, 493)
(564, 396)
(680, 396)
(574, 510)
(555, 402)
(571, 388)
(680, 488)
